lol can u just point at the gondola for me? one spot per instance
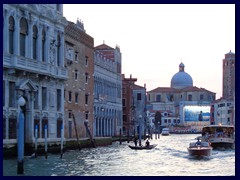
(143, 147)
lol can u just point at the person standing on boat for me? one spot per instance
(147, 143)
(135, 141)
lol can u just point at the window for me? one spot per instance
(12, 94)
(43, 45)
(58, 50)
(86, 78)
(86, 115)
(36, 100)
(165, 120)
(158, 98)
(69, 96)
(139, 96)
(189, 97)
(11, 34)
(44, 123)
(124, 118)
(76, 97)
(201, 96)
(34, 45)
(58, 7)
(76, 75)
(86, 61)
(23, 34)
(59, 127)
(149, 97)
(44, 98)
(36, 126)
(69, 114)
(123, 102)
(59, 99)
(76, 56)
(12, 127)
(86, 99)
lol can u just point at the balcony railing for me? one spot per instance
(27, 64)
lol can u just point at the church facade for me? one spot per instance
(181, 103)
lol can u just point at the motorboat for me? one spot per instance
(199, 148)
(165, 132)
(143, 147)
(220, 136)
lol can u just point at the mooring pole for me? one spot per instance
(36, 137)
(45, 135)
(61, 141)
(75, 126)
(20, 146)
(120, 139)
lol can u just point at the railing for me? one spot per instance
(38, 67)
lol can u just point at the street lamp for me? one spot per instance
(20, 138)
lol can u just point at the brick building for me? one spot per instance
(78, 90)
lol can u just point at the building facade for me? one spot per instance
(107, 91)
(33, 67)
(134, 106)
(228, 86)
(78, 90)
(183, 101)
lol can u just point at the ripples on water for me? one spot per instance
(169, 158)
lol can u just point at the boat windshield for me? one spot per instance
(224, 131)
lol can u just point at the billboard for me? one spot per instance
(196, 113)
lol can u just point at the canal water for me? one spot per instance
(169, 158)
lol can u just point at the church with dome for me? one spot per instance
(181, 104)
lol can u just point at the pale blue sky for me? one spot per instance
(155, 39)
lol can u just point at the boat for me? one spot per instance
(199, 148)
(220, 136)
(165, 132)
(143, 147)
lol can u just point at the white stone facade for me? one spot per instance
(33, 67)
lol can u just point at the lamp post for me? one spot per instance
(140, 129)
(20, 137)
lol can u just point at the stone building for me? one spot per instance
(134, 101)
(78, 90)
(107, 91)
(33, 67)
(183, 102)
(228, 86)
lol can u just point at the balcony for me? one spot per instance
(38, 67)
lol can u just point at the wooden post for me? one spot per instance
(20, 140)
(75, 126)
(62, 141)
(36, 137)
(89, 133)
(45, 135)
(120, 139)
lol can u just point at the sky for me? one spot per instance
(155, 38)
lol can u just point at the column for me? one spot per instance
(16, 50)
(39, 43)
(5, 32)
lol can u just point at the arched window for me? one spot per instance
(58, 50)
(11, 33)
(23, 34)
(43, 45)
(34, 46)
